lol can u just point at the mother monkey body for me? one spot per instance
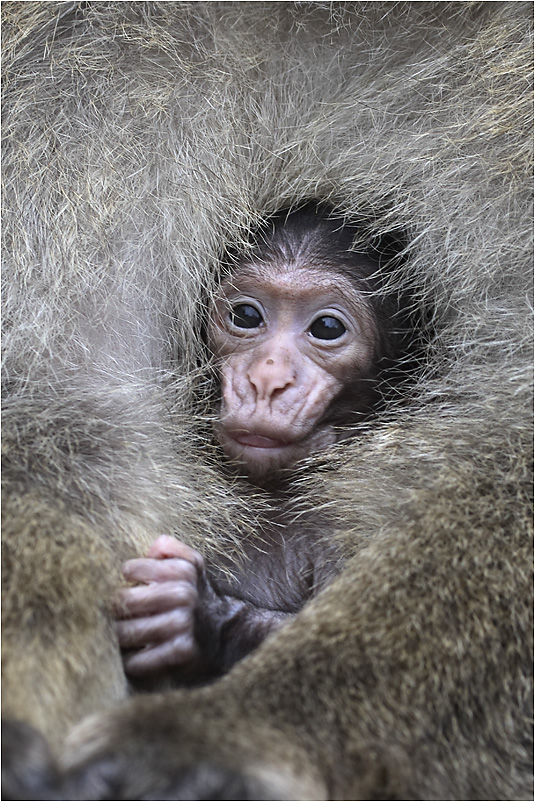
(139, 137)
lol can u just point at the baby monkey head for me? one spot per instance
(294, 330)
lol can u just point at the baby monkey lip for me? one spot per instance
(258, 441)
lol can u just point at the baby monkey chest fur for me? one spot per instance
(281, 569)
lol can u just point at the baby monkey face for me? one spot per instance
(288, 338)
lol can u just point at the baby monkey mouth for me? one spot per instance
(259, 441)
(265, 454)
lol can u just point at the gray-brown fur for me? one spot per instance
(141, 140)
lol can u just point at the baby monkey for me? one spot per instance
(304, 351)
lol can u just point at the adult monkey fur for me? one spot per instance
(141, 140)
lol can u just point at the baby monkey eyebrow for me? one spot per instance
(308, 279)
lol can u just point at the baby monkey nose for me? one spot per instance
(271, 376)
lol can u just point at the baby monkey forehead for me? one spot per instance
(305, 280)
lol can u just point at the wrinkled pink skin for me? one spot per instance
(161, 610)
(278, 380)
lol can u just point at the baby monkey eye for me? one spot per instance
(245, 316)
(327, 328)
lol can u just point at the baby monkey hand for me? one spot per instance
(156, 618)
